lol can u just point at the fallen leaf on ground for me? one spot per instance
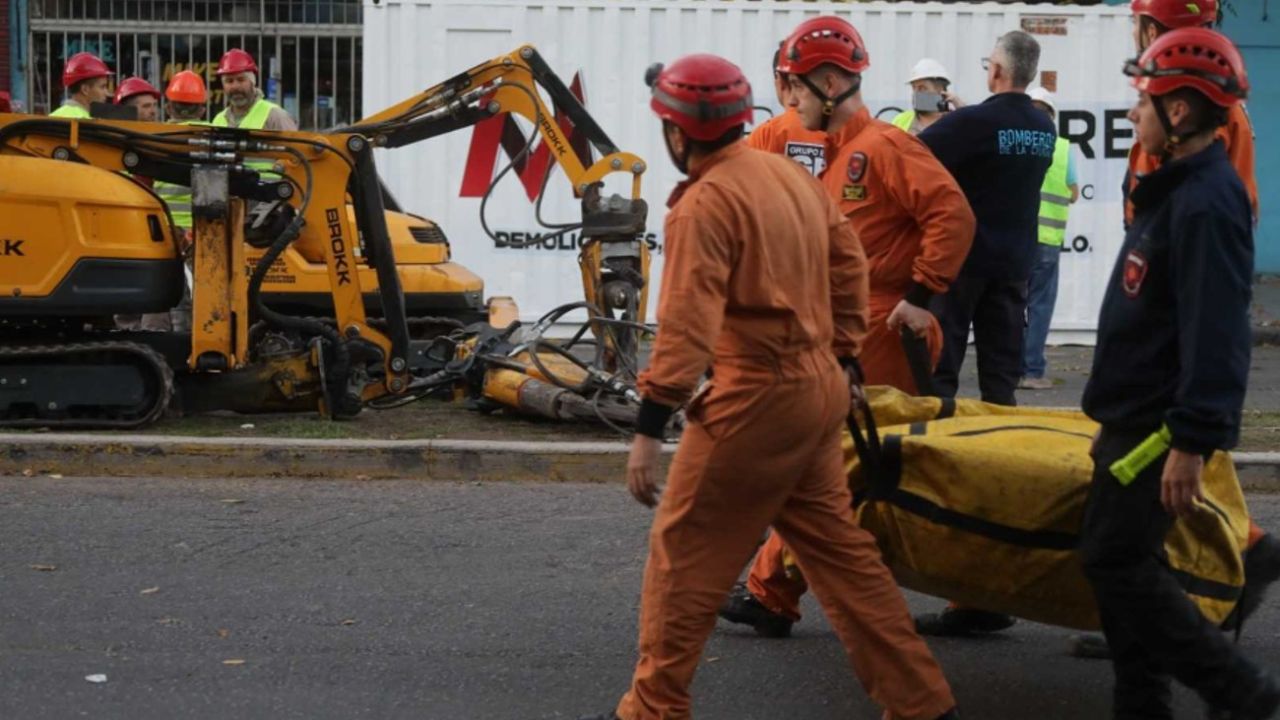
(28, 472)
(231, 501)
(96, 678)
(224, 633)
(150, 591)
(44, 568)
(55, 476)
(349, 621)
(362, 477)
(168, 621)
(235, 661)
(247, 426)
(713, 659)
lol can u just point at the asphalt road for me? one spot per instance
(416, 600)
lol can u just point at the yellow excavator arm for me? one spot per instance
(614, 259)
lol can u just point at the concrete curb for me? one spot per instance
(439, 460)
(194, 457)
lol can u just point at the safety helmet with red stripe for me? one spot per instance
(825, 40)
(187, 87)
(1198, 58)
(83, 66)
(706, 96)
(236, 61)
(135, 86)
(1174, 14)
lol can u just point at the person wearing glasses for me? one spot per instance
(998, 151)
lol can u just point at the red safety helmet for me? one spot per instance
(824, 40)
(187, 87)
(1175, 14)
(235, 61)
(135, 86)
(703, 95)
(1197, 58)
(83, 66)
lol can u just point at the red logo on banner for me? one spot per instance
(502, 130)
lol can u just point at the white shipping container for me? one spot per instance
(413, 44)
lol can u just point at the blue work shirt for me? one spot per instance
(998, 151)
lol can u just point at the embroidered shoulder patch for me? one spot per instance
(857, 166)
(1135, 272)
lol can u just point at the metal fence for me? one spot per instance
(271, 12)
(309, 53)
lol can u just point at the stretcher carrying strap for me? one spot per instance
(870, 453)
(917, 352)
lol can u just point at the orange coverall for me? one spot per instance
(1237, 136)
(916, 228)
(764, 280)
(786, 135)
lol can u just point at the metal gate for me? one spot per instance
(309, 52)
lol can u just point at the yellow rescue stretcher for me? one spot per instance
(982, 504)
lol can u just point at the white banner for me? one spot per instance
(413, 44)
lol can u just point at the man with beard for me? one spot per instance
(246, 106)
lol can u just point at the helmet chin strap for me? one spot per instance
(1173, 138)
(829, 104)
(681, 160)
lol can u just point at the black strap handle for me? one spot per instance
(917, 351)
(870, 453)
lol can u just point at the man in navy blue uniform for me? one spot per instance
(998, 151)
(1168, 383)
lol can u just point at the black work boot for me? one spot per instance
(1263, 703)
(743, 608)
(962, 621)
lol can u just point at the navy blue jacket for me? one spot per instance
(998, 152)
(1174, 336)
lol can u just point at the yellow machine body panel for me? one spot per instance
(431, 282)
(54, 214)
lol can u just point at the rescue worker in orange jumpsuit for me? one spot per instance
(916, 228)
(765, 285)
(785, 133)
(1152, 19)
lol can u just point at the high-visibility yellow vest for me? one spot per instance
(178, 197)
(255, 119)
(71, 110)
(1055, 196)
(903, 120)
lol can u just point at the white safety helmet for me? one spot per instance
(929, 68)
(1040, 95)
